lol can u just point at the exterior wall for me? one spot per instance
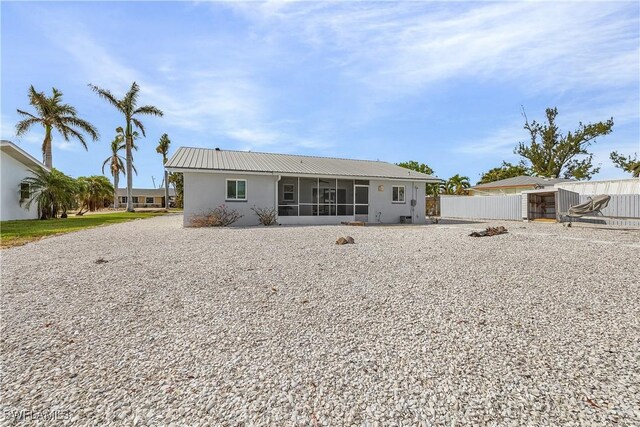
(206, 191)
(382, 210)
(507, 207)
(12, 173)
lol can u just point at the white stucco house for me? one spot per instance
(303, 189)
(15, 165)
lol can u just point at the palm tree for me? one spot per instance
(52, 114)
(52, 190)
(163, 148)
(116, 165)
(129, 109)
(447, 188)
(177, 179)
(459, 184)
(93, 192)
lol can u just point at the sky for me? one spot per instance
(440, 83)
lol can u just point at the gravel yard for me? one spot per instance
(413, 325)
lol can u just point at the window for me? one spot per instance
(123, 199)
(288, 191)
(398, 194)
(236, 189)
(134, 199)
(149, 200)
(24, 192)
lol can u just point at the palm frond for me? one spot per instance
(25, 113)
(139, 125)
(23, 126)
(82, 124)
(57, 95)
(105, 162)
(107, 96)
(131, 98)
(67, 131)
(149, 110)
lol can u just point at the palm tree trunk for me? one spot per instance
(129, 169)
(47, 155)
(116, 179)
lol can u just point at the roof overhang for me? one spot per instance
(309, 175)
(22, 156)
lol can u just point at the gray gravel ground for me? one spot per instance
(414, 325)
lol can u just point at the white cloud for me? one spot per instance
(409, 45)
(225, 102)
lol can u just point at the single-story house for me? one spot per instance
(301, 189)
(16, 165)
(146, 197)
(515, 185)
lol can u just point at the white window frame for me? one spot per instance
(404, 194)
(226, 190)
(285, 192)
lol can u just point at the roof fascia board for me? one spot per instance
(22, 156)
(310, 175)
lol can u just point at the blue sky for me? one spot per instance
(441, 83)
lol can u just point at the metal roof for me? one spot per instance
(522, 181)
(287, 164)
(20, 155)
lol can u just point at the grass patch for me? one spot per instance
(15, 233)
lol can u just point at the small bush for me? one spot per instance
(266, 216)
(221, 216)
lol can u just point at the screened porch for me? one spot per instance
(303, 196)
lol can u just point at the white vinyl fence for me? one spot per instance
(482, 207)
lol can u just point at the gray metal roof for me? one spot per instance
(522, 181)
(287, 164)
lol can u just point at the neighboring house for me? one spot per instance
(514, 185)
(302, 189)
(146, 197)
(16, 165)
